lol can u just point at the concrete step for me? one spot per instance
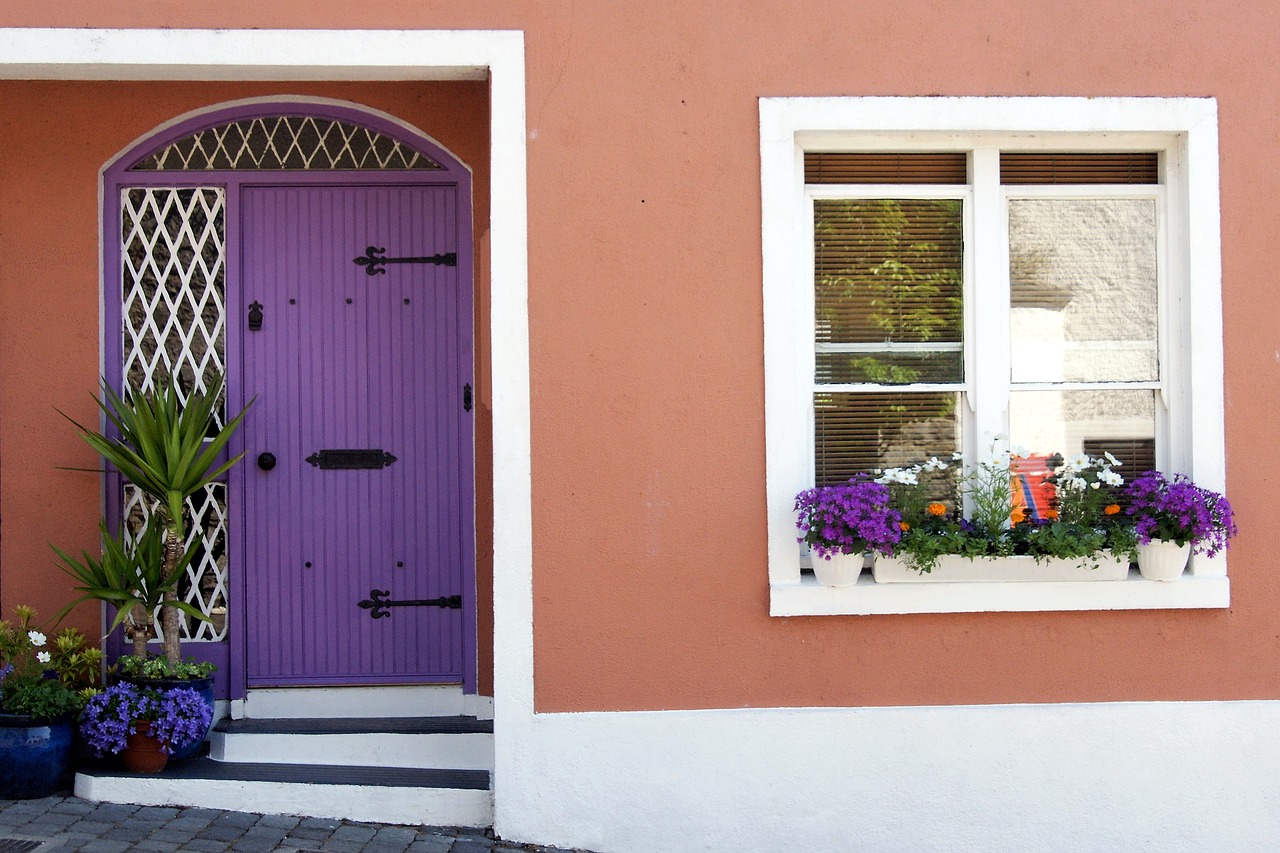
(391, 701)
(454, 742)
(441, 797)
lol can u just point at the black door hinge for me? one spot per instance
(466, 397)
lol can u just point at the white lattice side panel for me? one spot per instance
(173, 317)
(204, 584)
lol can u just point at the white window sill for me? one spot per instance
(866, 597)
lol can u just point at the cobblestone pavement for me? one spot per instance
(61, 824)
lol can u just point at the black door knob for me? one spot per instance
(266, 461)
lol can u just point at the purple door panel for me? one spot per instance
(359, 381)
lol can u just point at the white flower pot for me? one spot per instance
(955, 569)
(1163, 561)
(840, 571)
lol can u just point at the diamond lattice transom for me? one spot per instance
(204, 584)
(174, 265)
(286, 143)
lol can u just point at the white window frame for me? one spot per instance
(1192, 438)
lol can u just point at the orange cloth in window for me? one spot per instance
(1032, 492)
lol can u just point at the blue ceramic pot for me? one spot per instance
(203, 686)
(34, 756)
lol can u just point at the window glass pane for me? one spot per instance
(863, 432)
(888, 288)
(1122, 423)
(1083, 278)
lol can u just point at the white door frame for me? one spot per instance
(327, 55)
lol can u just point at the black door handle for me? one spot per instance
(266, 461)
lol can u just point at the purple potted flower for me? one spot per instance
(1174, 517)
(842, 523)
(142, 725)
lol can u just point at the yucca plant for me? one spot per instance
(129, 576)
(169, 449)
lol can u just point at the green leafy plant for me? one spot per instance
(29, 683)
(169, 449)
(129, 576)
(134, 666)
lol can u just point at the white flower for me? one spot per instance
(36, 638)
(956, 456)
(1112, 461)
(1073, 483)
(1111, 478)
(1020, 451)
(43, 657)
(1095, 485)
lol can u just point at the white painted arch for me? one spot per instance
(298, 55)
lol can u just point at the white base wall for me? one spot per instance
(1179, 776)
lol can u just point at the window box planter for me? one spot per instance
(956, 569)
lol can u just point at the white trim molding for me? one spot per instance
(285, 55)
(1191, 439)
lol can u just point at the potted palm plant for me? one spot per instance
(169, 448)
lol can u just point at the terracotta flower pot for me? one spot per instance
(142, 752)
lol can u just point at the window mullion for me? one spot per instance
(988, 324)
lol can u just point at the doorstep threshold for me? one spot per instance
(312, 774)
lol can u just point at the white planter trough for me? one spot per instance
(954, 569)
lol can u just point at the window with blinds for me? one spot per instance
(889, 336)
(888, 313)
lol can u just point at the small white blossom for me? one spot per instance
(1020, 451)
(1095, 485)
(1111, 478)
(43, 657)
(36, 638)
(1112, 461)
(956, 456)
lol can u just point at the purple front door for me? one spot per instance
(358, 458)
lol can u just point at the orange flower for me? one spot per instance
(905, 527)
(1112, 509)
(1051, 514)
(1018, 515)
(937, 508)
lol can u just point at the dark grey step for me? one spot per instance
(315, 774)
(357, 725)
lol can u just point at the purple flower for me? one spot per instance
(848, 519)
(177, 716)
(1177, 510)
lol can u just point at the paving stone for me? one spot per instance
(206, 814)
(220, 832)
(431, 844)
(104, 846)
(208, 845)
(332, 846)
(113, 811)
(255, 845)
(283, 821)
(471, 846)
(395, 833)
(153, 846)
(240, 819)
(126, 832)
(73, 806)
(303, 833)
(177, 836)
(186, 823)
(12, 818)
(320, 823)
(155, 813)
(352, 832)
(51, 822)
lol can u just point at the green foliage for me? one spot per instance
(132, 666)
(42, 698)
(164, 446)
(128, 574)
(78, 665)
(31, 681)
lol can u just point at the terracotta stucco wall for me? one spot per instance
(645, 311)
(54, 138)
